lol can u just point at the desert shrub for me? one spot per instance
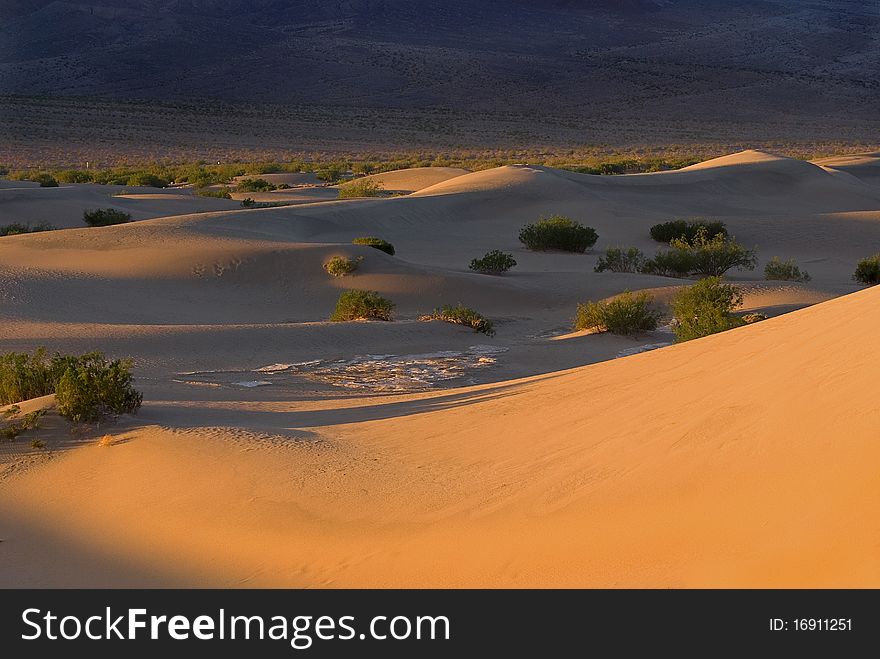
(16, 229)
(495, 262)
(219, 193)
(247, 202)
(4, 170)
(462, 315)
(16, 425)
(868, 271)
(666, 232)
(362, 305)
(377, 243)
(24, 376)
(91, 387)
(705, 308)
(147, 180)
(104, 217)
(784, 271)
(704, 256)
(713, 256)
(749, 318)
(673, 263)
(38, 443)
(558, 232)
(254, 185)
(628, 313)
(330, 174)
(361, 188)
(46, 181)
(617, 259)
(339, 266)
(73, 176)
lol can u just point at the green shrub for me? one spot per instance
(560, 233)
(462, 315)
(38, 443)
(24, 376)
(749, 318)
(339, 266)
(46, 181)
(628, 313)
(254, 185)
(703, 256)
(91, 387)
(147, 180)
(104, 217)
(17, 425)
(705, 308)
(673, 263)
(377, 243)
(868, 271)
(16, 229)
(361, 188)
(618, 260)
(362, 305)
(219, 193)
(666, 232)
(330, 174)
(784, 271)
(495, 262)
(73, 176)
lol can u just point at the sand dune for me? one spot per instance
(716, 463)
(415, 179)
(408, 453)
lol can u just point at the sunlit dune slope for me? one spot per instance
(743, 459)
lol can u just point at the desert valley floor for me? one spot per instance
(275, 448)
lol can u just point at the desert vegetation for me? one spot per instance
(86, 387)
(16, 229)
(705, 308)
(376, 243)
(361, 188)
(462, 315)
(220, 193)
(340, 266)
(558, 233)
(617, 259)
(868, 271)
(495, 262)
(358, 304)
(701, 256)
(254, 185)
(628, 313)
(776, 269)
(13, 423)
(105, 217)
(666, 232)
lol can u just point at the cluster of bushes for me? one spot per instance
(361, 188)
(86, 387)
(105, 217)
(779, 270)
(255, 185)
(688, 230)
(495, 262)
(628, 313)
(362, 305)
(868, 271)
(617, 259)
(632, 166)
(340, 266)
(706, 308)
(15, 228)
(376, 243)
(219, 193)
(702, 256)
(46, 181)
(558, 232)
(250, 203)
(462, 315)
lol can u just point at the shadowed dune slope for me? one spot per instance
(742, 459)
